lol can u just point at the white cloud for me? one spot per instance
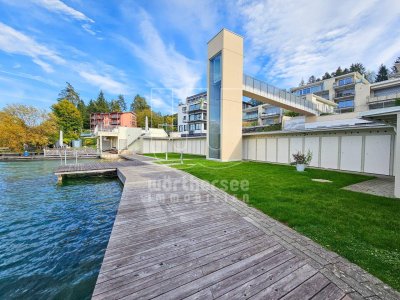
(15, 42)
(170, 69)
(104, 82)
(61, 8)
(298, 38)
(31, 77)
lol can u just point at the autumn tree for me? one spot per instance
(31, 116)
(68, 119)
(13, 132)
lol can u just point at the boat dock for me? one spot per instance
(93, 168)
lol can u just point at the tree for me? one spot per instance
(30, 115)
(395, 69)
(358, 67)
(139, 103)
(17, 130)
(122, 103)
(70, 94)
(44, 134)
(154, 118)
(102, 105)
(338, 72)
(370, 76)
(68, 118)
(383, 73)
(301, 82)
(311, 79)
(13, 132)
(326, 76)
(114, 106)
(83, 109)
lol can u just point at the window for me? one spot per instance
(214, 138)
(180, 128)
(346, 104)
(345, 81)
(205, 126)
(192, 127)
(184, 118)
(198, 126)
(184, 109)
(309, 90)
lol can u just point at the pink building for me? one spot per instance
(113, 119)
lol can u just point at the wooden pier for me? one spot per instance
(177, 237)
(93, 168)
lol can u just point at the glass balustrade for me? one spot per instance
(267, 90)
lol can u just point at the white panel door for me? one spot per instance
(283, 150)
(271, 150)
(312, 144)
(377, 154)
(350, 154)
(261, 149)
(244, 148)
(296, 145)
(251, 149)
(329, 152)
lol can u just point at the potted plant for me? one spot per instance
(301, 160)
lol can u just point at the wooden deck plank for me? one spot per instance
(171, 243)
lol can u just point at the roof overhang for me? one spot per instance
(384, 115)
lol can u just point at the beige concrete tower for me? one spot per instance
(225, 93)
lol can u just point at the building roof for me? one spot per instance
(386, 115)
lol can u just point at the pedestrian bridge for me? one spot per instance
(311, 104)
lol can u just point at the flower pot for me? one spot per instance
(300, 167)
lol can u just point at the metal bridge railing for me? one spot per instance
(279, 95)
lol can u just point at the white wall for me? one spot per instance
(369, 151)
(360, 151)
(186, 145)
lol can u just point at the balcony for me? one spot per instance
(345, 84)
(392, 97)
(270, 114)
(343, 110)
(252, 117)
(342, 95)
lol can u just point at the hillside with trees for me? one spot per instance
(383, 73)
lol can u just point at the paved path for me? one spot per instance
(177, 237)
(381, 186)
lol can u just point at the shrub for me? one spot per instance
(397, 102)
(301, 158)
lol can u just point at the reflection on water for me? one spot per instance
(52, 237)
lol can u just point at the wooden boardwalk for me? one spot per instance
(176, 237)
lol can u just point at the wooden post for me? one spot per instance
(59, 178)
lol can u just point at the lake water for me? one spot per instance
(52, 237)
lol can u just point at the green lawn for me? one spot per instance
(363, 228)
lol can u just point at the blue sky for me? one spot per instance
(158, 48)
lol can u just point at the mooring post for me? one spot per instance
(65, 157)
(59, 178)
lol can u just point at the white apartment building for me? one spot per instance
(192, 115)
(349, 91)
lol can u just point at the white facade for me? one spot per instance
(192, 115)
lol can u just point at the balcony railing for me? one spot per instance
(343, 110)
(345, 94)
(279, 95)
(383, 98)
